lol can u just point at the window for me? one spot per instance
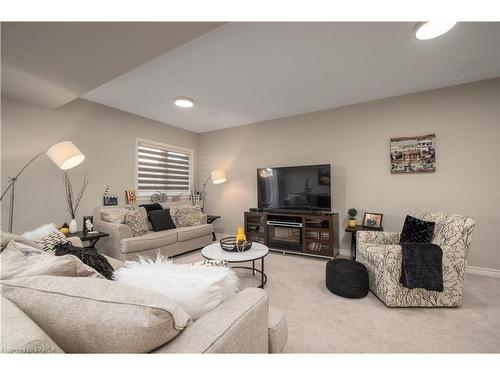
(163, 167)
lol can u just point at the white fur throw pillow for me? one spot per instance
(40, 232)
(197, 289)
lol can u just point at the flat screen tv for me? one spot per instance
(295, 188)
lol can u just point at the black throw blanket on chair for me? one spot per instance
(422, 266)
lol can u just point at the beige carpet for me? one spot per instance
(321, 322)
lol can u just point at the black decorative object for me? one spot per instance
(161, 219)
(416, 230)
(347, 278)
(230, 244)
(109, 200)
(88, 256)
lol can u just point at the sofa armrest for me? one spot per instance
(239, 325)
(111, 245)
(204, 219)
(377, 237)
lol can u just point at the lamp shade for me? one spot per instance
(218, 176)
(65, 155)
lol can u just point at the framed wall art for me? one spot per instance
(413, 154)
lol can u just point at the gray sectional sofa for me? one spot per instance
(243, 324)
(122, 245)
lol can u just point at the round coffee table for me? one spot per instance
(256, 252)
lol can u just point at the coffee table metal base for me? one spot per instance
(263, 276)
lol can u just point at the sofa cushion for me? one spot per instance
(20, 334)
(19, 260)
(161, 219)
(189, 233)
(150, 240)
(88, 315)
(114, 214)
(6, 237)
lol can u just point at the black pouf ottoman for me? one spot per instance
(347, 278)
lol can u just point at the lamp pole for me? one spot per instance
(12, 187)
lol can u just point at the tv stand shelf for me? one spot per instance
(315, 234)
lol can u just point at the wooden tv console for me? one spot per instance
(317, 235)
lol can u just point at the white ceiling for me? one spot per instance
(53, 63)
(242, 73)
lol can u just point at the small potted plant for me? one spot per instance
(352, 212)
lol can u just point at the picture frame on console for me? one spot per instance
(372, 220)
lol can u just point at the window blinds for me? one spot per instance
(159, 168)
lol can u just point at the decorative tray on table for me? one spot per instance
(230, 244)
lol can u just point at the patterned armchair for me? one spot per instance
(381, 253)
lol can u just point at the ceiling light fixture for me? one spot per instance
(432, 29)
(183, 101)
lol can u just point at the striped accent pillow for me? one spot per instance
(51, 240)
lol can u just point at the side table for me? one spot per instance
(92, 238)
(353, 231)
(210, 220)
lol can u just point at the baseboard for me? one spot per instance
(483, 271)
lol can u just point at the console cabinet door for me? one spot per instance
(255, 226)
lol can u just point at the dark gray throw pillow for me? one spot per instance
(151, 207)
(161, 219)
(416, 230)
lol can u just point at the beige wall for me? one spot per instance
(355, 140)
(107, 138)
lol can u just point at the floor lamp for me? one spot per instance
(218, 176)
(64, 154)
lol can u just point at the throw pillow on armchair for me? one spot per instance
(416, 230)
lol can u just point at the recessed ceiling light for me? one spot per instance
(183, 101)
(431, 29)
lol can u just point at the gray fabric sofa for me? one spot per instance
(243, 324)
(121, 243)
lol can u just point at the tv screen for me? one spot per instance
(295, 188)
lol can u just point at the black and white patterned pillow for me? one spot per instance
(186, 216)
(51, 240)
(137, 220)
